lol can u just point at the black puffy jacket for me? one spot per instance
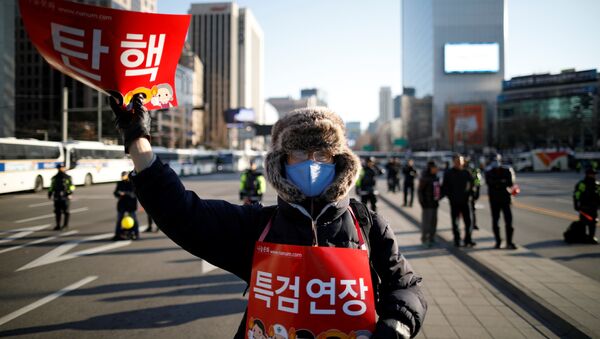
(426, 190)
(224, 235)
(127, 202)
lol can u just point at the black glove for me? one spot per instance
(133, 120)
(391, 329)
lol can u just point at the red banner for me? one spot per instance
(108, 49)
(310, 292)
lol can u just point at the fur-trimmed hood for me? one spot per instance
(311, 129)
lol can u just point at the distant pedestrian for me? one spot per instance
(586, 198)
(392, 169)
(457, 186)
(476, 174)
(500, 181)
(61, 188)
(127, 204)
(429, 194)
(367, 182)
(410, 173)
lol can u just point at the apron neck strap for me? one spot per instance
(361, 240)
(264, 233)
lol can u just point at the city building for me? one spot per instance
(352, 132)
(417, 120)
(398, 106)
(229, 42)
(308, 98)
(251, 64)
(550, 110)
(182, 126)
(453, 51)
(319, 94)
(7, 73)
(39, 91)
(386, 108)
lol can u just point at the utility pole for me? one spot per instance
(99, 116)
(65, 114)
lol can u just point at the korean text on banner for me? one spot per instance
(109, 49)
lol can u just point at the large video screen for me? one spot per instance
(472, 57)
(239, 115)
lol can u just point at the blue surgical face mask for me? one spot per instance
(311, 177)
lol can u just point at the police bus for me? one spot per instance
(28, 164)
(90, 162)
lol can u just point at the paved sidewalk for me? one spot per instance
(461, 304)
(564, 298)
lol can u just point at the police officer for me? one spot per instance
(586, 199)
(127, 203)
(392, 169)
(367, 180)
(252, 185)
(500, 181)
(410, 174)
(457, 186)
(61, 188)
(476, 174)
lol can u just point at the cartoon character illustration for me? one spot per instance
(159, 95)
(257, 330)
(148, 92)
(333, 333)
(278, 332)
(302, 334)
(362, 334)
(163, 96)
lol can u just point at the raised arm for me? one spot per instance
(215, 230)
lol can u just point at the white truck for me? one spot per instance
(541, 160)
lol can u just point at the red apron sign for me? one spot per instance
(109, 49)
(310, 292)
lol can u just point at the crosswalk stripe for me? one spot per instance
(77, 210)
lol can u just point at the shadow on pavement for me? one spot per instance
(141, 251)
(546, 244)
(185, 261)
(156, 317)
(177, 282)
(433, 252)
(418, 231)
(578, 256)
(221, 288)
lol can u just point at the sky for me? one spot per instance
(351, 48)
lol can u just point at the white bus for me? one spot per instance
(238, 160)
(186, 162)
(28, 164)
(90, 162)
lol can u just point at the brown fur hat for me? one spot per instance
(311, 129)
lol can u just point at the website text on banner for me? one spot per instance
(109, 49)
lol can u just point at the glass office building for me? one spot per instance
(550, 110)
(453, 51)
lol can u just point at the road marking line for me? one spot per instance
(39, 241)
(545, 211)
(77, 210)
(24, 229)
(59, 253)
(22, 234)
(564, 201)
(46, 300)
(47, 203)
